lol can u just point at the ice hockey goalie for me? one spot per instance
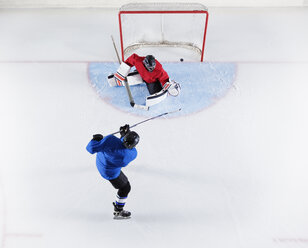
(148, 71)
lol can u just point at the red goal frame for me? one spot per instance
(164, 12)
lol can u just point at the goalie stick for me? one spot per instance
(130, 96)
(154, 117)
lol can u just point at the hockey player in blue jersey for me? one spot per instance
(112, 154)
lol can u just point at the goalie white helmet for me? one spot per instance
(174, 89)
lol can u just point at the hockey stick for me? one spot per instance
(130, 96)
(154, 117)
(116, 50)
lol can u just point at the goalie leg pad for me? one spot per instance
(111, 81)
(134, 78)
(114, 81)
(156, 98)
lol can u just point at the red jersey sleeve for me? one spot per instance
(131, 60)
(163, 76)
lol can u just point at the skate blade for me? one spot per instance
(120, 217)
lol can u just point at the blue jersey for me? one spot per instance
(111, 156)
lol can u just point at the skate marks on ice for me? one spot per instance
(202, 84)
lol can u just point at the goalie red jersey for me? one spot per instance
(148, 76)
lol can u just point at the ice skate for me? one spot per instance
(119, 213)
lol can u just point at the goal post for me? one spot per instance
(181, 25)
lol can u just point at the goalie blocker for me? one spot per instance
(121, 74)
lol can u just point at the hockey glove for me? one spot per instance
(174, 88)
(121, 74)
(98, 137)
(124, 130)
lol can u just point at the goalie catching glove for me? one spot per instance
(172, 87)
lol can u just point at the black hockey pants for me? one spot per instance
(154, 87)
(122, 184)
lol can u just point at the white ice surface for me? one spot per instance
(233, 175)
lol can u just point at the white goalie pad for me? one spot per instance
(133, 78)
(156, 98)
(112, 81)
(122, 72)
(172, 88)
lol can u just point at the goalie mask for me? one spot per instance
(149, 62)
(130, 140)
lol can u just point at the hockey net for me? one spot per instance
(180, 25)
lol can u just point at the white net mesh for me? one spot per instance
(163, 7)
(163, 24)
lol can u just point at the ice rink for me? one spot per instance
(230, 174)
